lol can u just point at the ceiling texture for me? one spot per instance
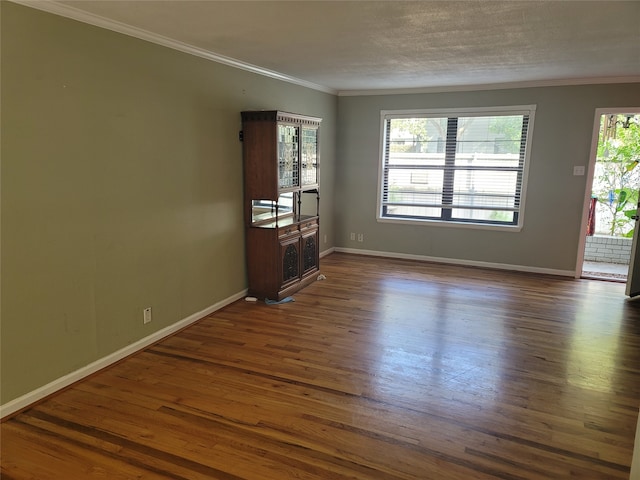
(359, 46)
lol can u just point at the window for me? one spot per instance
(467, 167)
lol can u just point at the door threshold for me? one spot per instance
(607, 277)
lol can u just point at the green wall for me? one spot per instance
(562, 135)
(121, 189)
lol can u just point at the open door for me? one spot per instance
(633, 277)
(612, 179)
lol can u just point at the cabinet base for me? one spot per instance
(289, 290)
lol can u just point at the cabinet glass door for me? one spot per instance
(309, 173)
(288, 156)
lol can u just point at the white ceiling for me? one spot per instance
(360, 45)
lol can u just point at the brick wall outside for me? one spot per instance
(608, 249)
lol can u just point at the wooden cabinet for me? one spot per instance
(281, 201)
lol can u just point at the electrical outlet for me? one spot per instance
(325, 239)
(361, 237)
(146, 315)
(353, 236)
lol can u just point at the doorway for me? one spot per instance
(612, 196)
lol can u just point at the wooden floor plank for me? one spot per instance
(388, 369)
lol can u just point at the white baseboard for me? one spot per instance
(327, 252)
(62, 382)
(453, 261)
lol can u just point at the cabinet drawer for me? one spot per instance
(307, 224)
(287, 231)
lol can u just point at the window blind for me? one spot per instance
(461, 168)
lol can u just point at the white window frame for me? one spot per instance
(528, 110)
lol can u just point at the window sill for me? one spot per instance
(436, 223)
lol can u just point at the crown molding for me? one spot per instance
(492, 86)
(51, 6)
(73, 13)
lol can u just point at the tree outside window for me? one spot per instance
(617, 177)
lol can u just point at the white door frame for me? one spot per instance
(595, 138)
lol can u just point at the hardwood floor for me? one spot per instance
(388, 369)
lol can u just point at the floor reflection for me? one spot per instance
(420, 346)
(594, 344)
